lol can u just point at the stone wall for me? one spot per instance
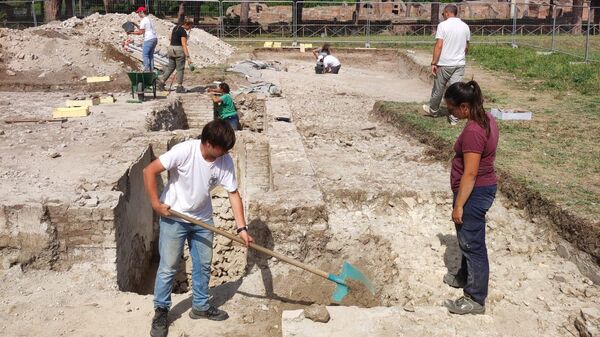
(167, 116)
(400, 11)
(136, 231)
(25, 234)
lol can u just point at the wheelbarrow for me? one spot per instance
(141, 83)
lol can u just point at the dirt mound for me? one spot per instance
(87, 46)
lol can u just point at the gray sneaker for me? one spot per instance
(429, 112)
(452, 120)
(160, 323)
(454, 280)
(212, 313)
(464, 305)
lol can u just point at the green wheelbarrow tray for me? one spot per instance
(142, 82)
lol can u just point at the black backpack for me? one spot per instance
(319, 68)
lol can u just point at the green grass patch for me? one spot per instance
(555, 154)
(548, 72)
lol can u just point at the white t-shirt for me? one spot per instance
(455, 34)
(330, 61)
(148, 27)
(192, 178)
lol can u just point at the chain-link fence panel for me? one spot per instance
(569, 33)
(593, 42)
(204, 14)
(416, 22)
(325, 20)
(532, 25)
(21, 14)
(265, 19)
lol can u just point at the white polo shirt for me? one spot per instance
(455, 34)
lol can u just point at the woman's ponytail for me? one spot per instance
(469, 92)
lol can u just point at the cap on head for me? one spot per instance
(141, 9)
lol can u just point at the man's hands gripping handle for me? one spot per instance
(244, 238)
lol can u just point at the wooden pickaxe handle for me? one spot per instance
(253, 245)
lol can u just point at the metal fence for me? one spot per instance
(573, 30)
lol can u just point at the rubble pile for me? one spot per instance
(94, 46)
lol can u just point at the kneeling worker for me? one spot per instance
(331, 64)
(226, 109)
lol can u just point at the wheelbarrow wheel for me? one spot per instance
(140, 91)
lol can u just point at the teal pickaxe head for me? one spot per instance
(348, 272)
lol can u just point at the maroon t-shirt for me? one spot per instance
(474, 139)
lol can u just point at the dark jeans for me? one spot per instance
(234, 121)
(335, 70)
(475, 267)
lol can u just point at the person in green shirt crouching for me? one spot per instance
(226, 108)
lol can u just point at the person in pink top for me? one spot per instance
(473, 182)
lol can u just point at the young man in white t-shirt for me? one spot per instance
(449, 58)
(195, 168)
(146, 28)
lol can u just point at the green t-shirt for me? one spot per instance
(226, 108)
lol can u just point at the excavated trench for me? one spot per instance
(326, 188)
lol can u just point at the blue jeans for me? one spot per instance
(170, 245)
(148, 53)
(475, 266)
(234, 121)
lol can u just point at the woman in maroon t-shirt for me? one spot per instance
(473, 182)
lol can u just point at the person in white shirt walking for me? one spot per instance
(146, 28)
(449, 58)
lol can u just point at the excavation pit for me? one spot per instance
(335, 184)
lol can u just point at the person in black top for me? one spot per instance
(178, 52)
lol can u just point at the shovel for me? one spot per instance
(348, 270)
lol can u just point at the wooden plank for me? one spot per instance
(82, 102)
(96, 79)
(276, 44)
(80, 111)
(107, 100)
(268, 44)
(32, 120)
